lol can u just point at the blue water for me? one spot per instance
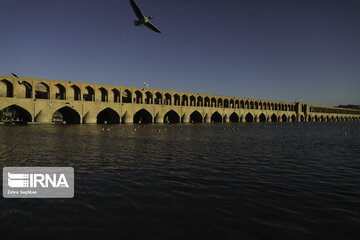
(190, 181)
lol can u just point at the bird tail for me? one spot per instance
(137, 23)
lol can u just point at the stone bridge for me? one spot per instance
(32, 100)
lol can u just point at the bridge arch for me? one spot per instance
(207, 102)
(171, 117)
(67, 114)
(216, 117)
(108, 116)
(142, 116)
(249, 118)
(262, 118)
(26, 90)
(234, 117)
(89, 94)
(196, 117)
(60, 92)
(158, 98)
(237, 104)
(168, 99)
(220, 102)
(116, 95)
(192, 101)
(42, 91)
(293, 118)
(226, 103)
(284, 118)
(213, 102)
(232, 103)
(200, 102)
(148, 97)
(274, 118)
(242, 104)
(138, 97)
(6, 88)
(76, 93)
(176, 100)
(126, 96)
(15, 113)
(184, 100)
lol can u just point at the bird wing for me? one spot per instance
(14, 75)
(152, 27)
(137, 10)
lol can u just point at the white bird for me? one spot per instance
(142, 19)
(146, 84)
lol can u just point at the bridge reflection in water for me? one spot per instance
(31, 100)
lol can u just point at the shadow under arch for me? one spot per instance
(67, 114)
(15, 114)
(234, 117)
(196, 117)
(108, 116)
(171, 117)
(273, 118)
(142, 116)
(262, 118)
(249, 118)
(216, 117)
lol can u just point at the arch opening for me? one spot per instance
(196, 117)
(42, 91)
(142, 117)
(66, 115)
(171, 117)
(216, 117)
(103, 94)
(234, 117)
(284, 118)
(27, 89)
(108, 116)
(8, 90)
(61, 92)
(293, 118)
(116, 94)
(148, 98)
(126, 96)
(273, 118)
(262, 118)
(15, 114)
(249, 118)
(77, 93)
(90, 94)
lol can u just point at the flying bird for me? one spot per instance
(146, 84)
(19, 81)
(142, 19)
(15, 75)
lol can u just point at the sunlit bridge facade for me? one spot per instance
(31, 101)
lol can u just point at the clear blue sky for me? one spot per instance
(277, 50)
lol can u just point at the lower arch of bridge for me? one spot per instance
(67, 114)
(142, 116)
(234, 117)
(284, 118)
(15, 113)
(302, 118)
(108, 116)
(171, 117)
(273, 118)
(216, 117)
(262, 118)
(293, 118)
(196, 117)
(249, 118)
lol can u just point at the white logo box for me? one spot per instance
(38, 182)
